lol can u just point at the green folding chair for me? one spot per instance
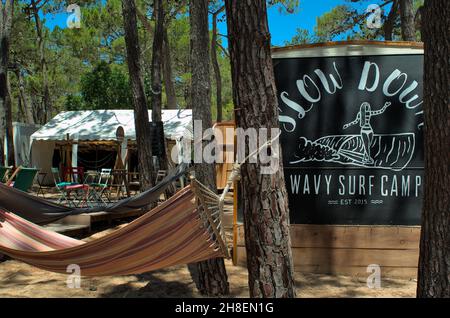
(23, 178)
(98, 190)
(61, 187)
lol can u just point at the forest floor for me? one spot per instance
(21, 280)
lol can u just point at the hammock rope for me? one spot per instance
(209, 203)
(236, 173)
(214, 204)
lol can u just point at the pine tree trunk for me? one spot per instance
(26, 107)
(210, 276)
(434, 260)
(265, 205)
(141, 118)
(156, 78)
(407, 20)
(168, 75)
(215, 64)
(3, 100)
(156, 74)
(6, 12)
(388, 26)
(10, 160)
(47, 109)
(21, 110)
(4, 95)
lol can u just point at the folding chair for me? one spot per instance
(22, 178)
(4, 173)
(119, 182)
(98, 190)
(161, 174)
(66, 188)
(74, 175)
(60, 186)
(134, 183)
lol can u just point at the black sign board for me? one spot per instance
(352, 138)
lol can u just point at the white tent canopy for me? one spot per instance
(99, 125)
(103, 124)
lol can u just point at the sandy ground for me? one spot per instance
(21, 280)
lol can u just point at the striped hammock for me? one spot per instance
(184, 229)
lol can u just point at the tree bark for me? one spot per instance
(26, 107)
(46, 101)
(156, 78)
(407, 20)
(6, 14)
(210, 276)
(166, 61)
(168, 74)
(10, 160)
(265, 204)
(388, 26)
(215, 64)
(418, 21)
(21, 110)
(434, 259)
(141, 118)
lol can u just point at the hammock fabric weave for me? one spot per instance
(176, 232)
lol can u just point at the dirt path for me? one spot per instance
(21, 280)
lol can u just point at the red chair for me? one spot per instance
(74, 174)
(81, 194)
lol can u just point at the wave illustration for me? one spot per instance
(390, 151)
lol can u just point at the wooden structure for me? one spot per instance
(223, 170)
(348, 250)
(345, 249)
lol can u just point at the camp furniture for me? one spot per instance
(134, 181)
(60, 186)
(98, 190)
(22, 178)
(70, 192)
(184, 229)
(161, 174)
(4, 173)
(119, 183)
(57, 178)
(74, 174)
(41, 181)
(41, 211)
(90, 176)
(81, 194)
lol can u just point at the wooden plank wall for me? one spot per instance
(348, 250)
(223, 170)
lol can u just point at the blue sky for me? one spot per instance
(282, 26)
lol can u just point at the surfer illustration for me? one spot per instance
(363, 118)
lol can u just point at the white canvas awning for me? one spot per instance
(103, 124)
